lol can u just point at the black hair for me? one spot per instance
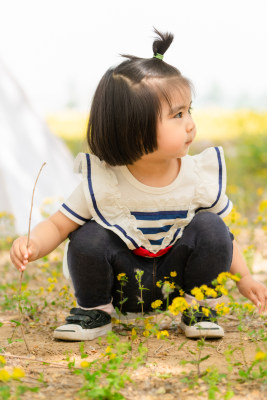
(127, 104)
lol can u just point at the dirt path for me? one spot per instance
(161, 376)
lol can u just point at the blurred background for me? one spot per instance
(53, 54)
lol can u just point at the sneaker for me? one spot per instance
(84, 325)
(195, 324)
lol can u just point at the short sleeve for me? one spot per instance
(75, 207)
(211, 189)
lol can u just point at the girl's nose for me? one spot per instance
(190, 125)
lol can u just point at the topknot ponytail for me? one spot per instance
(162, 42)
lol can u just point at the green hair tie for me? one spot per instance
(159, 56)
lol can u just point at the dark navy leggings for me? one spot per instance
(97, 255)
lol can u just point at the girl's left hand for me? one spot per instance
(254, 291)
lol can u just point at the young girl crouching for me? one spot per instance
(143, 204)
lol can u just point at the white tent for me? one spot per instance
(25, 143)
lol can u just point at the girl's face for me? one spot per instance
(176, 129)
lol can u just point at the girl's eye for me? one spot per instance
(190, 110)
(179, 115)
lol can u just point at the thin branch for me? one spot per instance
(21, 275)
(37, 360)
(30, 218)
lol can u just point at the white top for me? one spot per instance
(146, 217)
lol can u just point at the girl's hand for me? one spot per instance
(20, 255)
(254, 291)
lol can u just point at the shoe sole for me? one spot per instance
(73, 332)
(202, 329)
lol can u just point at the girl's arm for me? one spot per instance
(44, 238)
(253, 290)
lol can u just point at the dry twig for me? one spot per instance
(21, 275)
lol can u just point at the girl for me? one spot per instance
(143, 203)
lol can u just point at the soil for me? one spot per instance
(160, 377)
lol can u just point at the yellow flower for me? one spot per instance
(260, 355)
(173, 274)
(146, 333)
(156, 304)
(148, 326)
(112, 356)
(205, 311)
(41, 290)
(134, 335)
(223, 276)
(18, 373)
(211, 292)
(84, 364)
(4, 375)
(2, 360)
(162, 334)
(52, 280)
(263, 206)
(181, 292)
(172, 285)
(197, 293)
(222, 309)
(221, 289)
(179, 304)
(51, 287)
(108, 349)
(115, 321)
(260, 191)
(120, 276)
(158, 284)
(249, 306)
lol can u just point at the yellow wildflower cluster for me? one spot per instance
(203, 291)
(84, 364)
(260, 356)
(52, 280)
(16, 374)
(179, 305)
(147, 322)
(51, 287)
(162, 334)
(134, 334)
(262, 217)
(110, 353)
(146, 333)
(120, 276)
(222, 309)
(168, 285)
(199, 295)
(223, 276)
(221, 289)
(7, 215)
(205, 311)
(2, 360)
(156, 304)
(245, 307)
(173, 274)
(235, 221)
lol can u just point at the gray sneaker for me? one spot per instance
(84, 325)
(195, 324)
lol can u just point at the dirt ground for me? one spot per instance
(158, 378)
